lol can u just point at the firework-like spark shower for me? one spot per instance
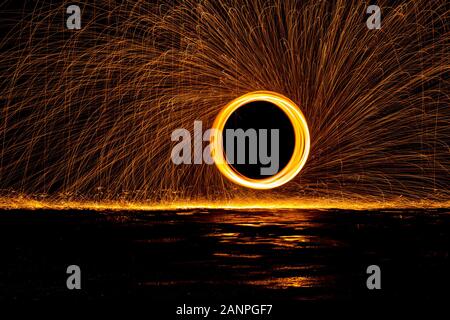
(88, 114)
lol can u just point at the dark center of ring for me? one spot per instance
(260, 115)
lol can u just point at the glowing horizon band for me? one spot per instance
(301, 145)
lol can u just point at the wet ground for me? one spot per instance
(215, 256)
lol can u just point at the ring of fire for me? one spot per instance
(301, 145)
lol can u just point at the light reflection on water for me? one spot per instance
(264, 236)
(225, 254)
(283, 283)
(301, 254)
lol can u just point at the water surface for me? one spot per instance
(224, 255)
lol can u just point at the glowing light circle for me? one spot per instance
(301, 145)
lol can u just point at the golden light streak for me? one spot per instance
(22, 202)
(301, 136)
